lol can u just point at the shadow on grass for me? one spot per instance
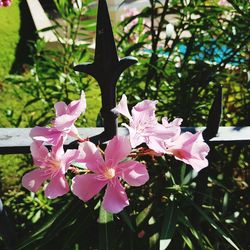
(27, 34)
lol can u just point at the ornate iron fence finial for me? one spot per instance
(106, 69)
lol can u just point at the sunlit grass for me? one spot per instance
(9, 34)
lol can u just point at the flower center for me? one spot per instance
(109, 173)
(54, 164)
(179, 153)
(140, 128)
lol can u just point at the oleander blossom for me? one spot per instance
(109, 172)
(191, 149)
(173, 126)
(52, 167)
(5, 3)
(63, 124)
(143, 125)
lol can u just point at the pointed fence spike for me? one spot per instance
(106, 69)
(214, 116)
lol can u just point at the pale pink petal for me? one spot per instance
(57, 150)
(122, 107)
(191, 149)
(61, 108)
(115, 198)
(176, 122)
(58, 186)
(34, 179)
(172, 127)
(198, 164)
(64, 122)
(144, 112)
(117, 149)
(134, 173)
(135, 138)
(86, 186)
(162, 133)
(70, 156)
(156, 144)
(45, 134)
(91, 156)
(39, 153)
(76, 108)
(74, 132)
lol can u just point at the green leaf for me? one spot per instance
(168, 225)
(190, 176)
(54, 224)
(127, 220)
(106, 230)
(202, 241)
(220, 231)
(143, 214)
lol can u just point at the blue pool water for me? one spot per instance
(213, 53)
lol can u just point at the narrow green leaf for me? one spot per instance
(106, 230)
(168, 225)
(187, 241)
(54, 224)
(127, 220)
(222, 233)
(203, 242)
(190, 176)
(143, 214)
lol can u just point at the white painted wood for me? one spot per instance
(17, 140)
(41, 21)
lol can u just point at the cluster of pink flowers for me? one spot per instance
(108, 169)
(5, 3)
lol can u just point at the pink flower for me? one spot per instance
(224, 3)
(108, 172)
(52, 166)
(191, 149)
(143, 125)
(173, 126)
(5, 3)
(63, 124)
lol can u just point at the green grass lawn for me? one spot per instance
(9, 34)
(13, 99)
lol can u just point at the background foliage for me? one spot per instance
(210, 46)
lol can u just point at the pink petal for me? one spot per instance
(58, 186)
(48, 135)
(144, 112)
(34, 179)
(122, 107)
(161, 132)
(176, 122)
(57, 150)
(64, 122)
(39, 153)
(117, 149)
(61, 108)
(157, 145)
(91, 156)
(74, 132)
(115, 198)
(135, 138)
(77, 107)
(134, 173)
(70, 156)
(198, 164)
(86, 186)
(191, 149)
